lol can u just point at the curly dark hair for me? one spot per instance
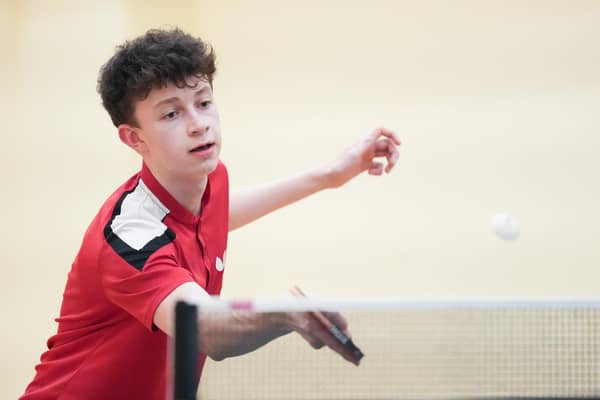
(150, 61)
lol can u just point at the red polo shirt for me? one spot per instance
(141, 245)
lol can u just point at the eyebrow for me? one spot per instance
(175, 99)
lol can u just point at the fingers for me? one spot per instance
(376, 168)
(386, 147)
(338, 320)
(334, 344)
(379, 132)
(315, 343)
(318, 335)
(392, 156)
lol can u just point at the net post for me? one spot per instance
(185, 380)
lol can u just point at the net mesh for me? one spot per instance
(467, 350)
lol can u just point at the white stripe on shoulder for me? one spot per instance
(141, 217)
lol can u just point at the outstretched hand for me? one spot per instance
(318, 336)
(365, 155)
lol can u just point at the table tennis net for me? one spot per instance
(422, 349)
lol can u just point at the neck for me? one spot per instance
(187, 192)
(189, 195)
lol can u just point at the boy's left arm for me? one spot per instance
(250, 204)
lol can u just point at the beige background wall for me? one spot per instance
(496, 103)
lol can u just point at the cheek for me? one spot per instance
(218, 134)
(165, 142)
(216, 126)
(216, 119)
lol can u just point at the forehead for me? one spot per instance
(192, 86)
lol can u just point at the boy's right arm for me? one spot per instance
(248, 205)
(239, 332)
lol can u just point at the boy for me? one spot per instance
(162, 235)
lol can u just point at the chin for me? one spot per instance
(209, 166)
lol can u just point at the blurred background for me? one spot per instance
(496, 103)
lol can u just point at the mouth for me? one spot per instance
(202, 147)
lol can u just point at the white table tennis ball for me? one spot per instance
(505, 226)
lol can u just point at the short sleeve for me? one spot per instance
(140, 291)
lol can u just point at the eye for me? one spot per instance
(206, 103)
(170, 115)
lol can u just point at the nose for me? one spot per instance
(197, 123)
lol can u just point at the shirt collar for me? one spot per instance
(176, 210)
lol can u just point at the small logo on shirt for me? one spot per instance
(219, 264)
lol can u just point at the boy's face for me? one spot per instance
(180, 131)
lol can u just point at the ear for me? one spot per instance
(131, 137)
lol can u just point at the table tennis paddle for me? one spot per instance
(355, 353)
